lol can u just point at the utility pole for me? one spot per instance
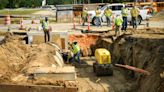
(43, 2)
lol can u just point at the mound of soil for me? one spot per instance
(16, 58)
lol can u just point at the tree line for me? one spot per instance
(38, 3)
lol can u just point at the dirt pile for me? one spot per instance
(143, 51)
(17, 58)
(13, 57)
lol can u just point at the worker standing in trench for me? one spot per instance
(118, 22)
(84, 16)
(46, 29)
(98, 18)
(134, 13)
(124, 13)
(108, 14)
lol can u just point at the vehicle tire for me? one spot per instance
(139, 20)
(95, 21)
(94, 67)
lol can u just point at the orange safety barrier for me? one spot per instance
(74, 26)
(7, 20)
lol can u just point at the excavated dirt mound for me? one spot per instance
(16, 58)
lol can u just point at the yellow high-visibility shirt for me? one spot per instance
(97, 13)
(118, 21)
(45, 25)
(134, 12)
(85, 13)
(75, 49)
(124, 12)
(108, 12)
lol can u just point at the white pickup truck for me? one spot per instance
(116, 9)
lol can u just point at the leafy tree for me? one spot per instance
(3, 3)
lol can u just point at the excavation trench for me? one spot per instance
(142, 50)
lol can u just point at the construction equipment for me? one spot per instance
(103, 65)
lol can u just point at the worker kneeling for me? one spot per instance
(73, 54)
(76, 52)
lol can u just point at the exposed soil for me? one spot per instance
(145, 50)
(142, 49)
(17, 57)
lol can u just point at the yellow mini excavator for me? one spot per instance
(103, 65)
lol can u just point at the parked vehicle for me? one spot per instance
(52, 7)
(116, 9)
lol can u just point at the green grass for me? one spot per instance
(18, 12)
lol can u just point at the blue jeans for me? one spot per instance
(124, 24)
(108, 21)
(99, 20)
(134, 22)
(76, 57)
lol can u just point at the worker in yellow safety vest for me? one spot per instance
(76, 51)
(84, 16)
(124, 13)
(118, 22)
(98, 18)
(108, 14)
(134, 13)
(45, 26)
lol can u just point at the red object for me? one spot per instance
(74, 26)
(7, 20)
(50, 28)
(88, 23)
(134, 69)
(113, 23)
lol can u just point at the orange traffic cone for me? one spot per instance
(88, 23)
(7, 20)
(113, 23)
(21, 24)
(74, 26)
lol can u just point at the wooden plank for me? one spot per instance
(65, 69)
(54, 73)
(63, 43)
(34, 88)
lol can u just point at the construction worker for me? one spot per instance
(45, 26)
(98, 18)
(118, 23)
(76, 51)
(134, 13)
(124, 13)
(84, 16)
(108, 14)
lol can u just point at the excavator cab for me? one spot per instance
(103, 65)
